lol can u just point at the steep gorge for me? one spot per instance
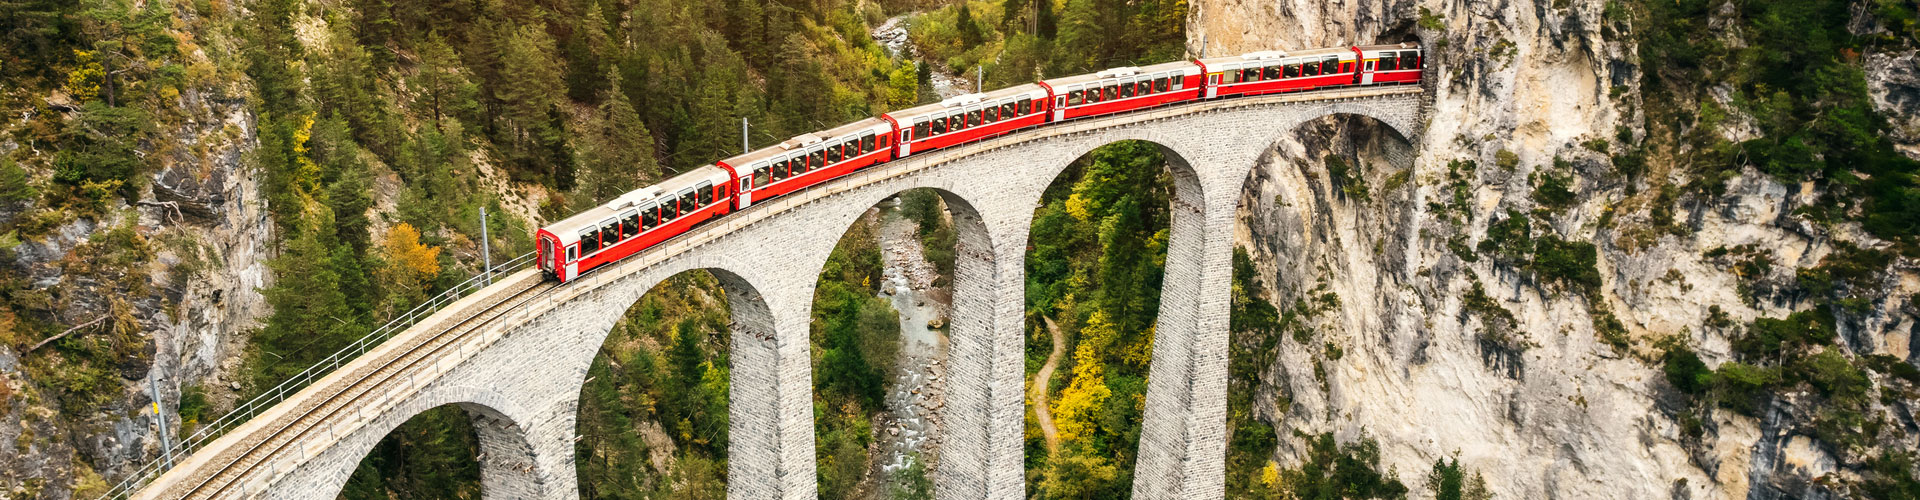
(1444, 341)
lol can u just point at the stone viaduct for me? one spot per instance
(515, 355)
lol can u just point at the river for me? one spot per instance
(908, 429)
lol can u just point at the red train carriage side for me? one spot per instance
(810, 159)
(1274, 72)
(650, 215)
(633, 222)
(968, 117)
(1386, 64)
(1123, 89)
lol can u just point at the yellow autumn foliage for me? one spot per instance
(410, 265)
(1081, 401)
(84, 82)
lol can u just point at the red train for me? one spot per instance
(650, 215)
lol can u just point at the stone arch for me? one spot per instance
(971, 329)
(508, 466)
(751, 344)
(1186, 154)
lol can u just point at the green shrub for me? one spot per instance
(1741, 385)
(1554, 191)
(1686, 372)
(14, 182)
(1573, 264)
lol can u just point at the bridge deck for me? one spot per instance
(252, 455)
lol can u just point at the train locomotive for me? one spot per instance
(648, 216)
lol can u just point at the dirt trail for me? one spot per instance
(1043, 413)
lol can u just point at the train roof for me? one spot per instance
(670, 187)
(1029, 91)
(1269, 57)
(1184, 67)
(1398, 46)
(802, 142)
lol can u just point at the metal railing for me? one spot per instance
(702, 236)
(246, 411)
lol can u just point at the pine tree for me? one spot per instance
(15, 186)
(309, 311)
(617, 154)
(529, 90)
(970, 35)
(443, 85)
(587, 53)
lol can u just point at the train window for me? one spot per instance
(1310, 69)
(833, 156)
(1146, 87)
(1010, 110)
(816, 160)
(866, 143)
(853, 148)
(1388, 63)
(1293, 71)
(688, 203)
(1026, 107)
(1177, 82)
(1329, 67)
(609, 233)
(990, 115)
(956, 122)
(589, 242)
(761, 175)
(649, 218)
(920, 130)
(1126, 90)
(940, 126)
(1409, 60)
(629, 225)
(1160, 84)
(1272, 72)
(1112, 92)
(779, 171)
(706, 193)
(570, 254)
(1073, 98)
(973, 118)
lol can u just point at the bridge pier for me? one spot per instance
(1183, 436)
(982, 451)
(770, 423)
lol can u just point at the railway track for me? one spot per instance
(307, 423)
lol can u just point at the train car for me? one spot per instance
(1391, 64)
(1272, 72)
(809, 159)
(1123, 89)
(634, 221)
(968, 117)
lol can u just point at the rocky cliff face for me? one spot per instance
(1557, 402)
(171, 282)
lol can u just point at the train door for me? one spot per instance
(906, 137)
(546, 254)
(1059, 108)
(1213, 85)
(573, 263)
(746, 192)
(1366, 73)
